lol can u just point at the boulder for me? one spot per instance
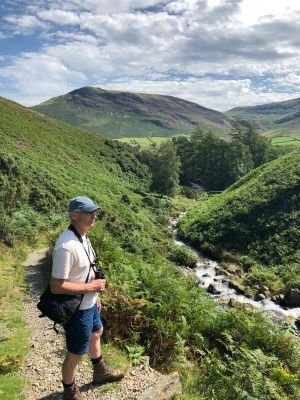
(222, 272)
(212, 289)
(259, 296)
(237, 287)
(165, 389)
(278, 298)
(292, 298)
(264, 289)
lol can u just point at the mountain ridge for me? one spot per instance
(275, 119)
(125, 114)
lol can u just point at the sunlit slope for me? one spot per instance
(259, 215)
(43, 163)
(274, 119)
(123, 114)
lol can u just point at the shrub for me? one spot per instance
(182, 256)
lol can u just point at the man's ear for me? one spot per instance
(73, 216)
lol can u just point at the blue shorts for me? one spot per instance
(79, 329)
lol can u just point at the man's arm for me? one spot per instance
(62, 286)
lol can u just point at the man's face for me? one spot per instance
(84, 220)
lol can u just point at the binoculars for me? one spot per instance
(99, 274)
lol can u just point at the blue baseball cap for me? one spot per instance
(82, 203)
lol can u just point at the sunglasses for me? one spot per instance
(96, 212)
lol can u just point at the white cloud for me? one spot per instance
(40, 77)
(59, 17)
(73, 37)
(219, 53)
(25, 23)
(251, 11)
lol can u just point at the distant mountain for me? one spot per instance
(118, 114)
(277, 119)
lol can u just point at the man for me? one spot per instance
(72, 273)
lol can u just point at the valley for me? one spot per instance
(150, 304)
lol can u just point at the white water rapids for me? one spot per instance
(206, 274)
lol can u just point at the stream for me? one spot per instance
(207, 274)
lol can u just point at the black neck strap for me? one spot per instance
(76, 233)
(79, 237)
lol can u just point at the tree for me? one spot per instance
(165, 167)
(185, 152)
(209, 160)
(239, 161)
(259, 147)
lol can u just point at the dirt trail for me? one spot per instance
(42, 368)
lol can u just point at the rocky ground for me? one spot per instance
(42, 368)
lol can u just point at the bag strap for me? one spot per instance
(79, 237)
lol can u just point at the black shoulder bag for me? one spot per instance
(61, 307)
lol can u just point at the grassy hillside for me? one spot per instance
(274, 119)
(258, 216)
(44, 163)
(122, 114)
(149, 302)
(49, 162)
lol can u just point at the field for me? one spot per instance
(157, 140)
(143, 141)
(285, 140)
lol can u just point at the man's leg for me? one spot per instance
(102, 372)
(95, 344)
(78, 333)
(69, 367)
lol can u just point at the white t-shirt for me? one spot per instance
(70, 262)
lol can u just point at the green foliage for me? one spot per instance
(259, 275)
(26, 196)
(182, 256)
(215, 163)
(135, 353)
(124, 156)
(164, 165)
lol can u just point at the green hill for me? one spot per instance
(257, 216)
(123, 114)
(44, 162)
(275, 119)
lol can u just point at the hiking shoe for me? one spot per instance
(72, 393)
(103, 373)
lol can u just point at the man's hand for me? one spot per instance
(98, 302)
(98, 285)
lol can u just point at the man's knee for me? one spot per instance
(98, 333)
(72, 359)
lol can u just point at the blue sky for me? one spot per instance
(217, 53)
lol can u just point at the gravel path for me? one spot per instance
(42, 368)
